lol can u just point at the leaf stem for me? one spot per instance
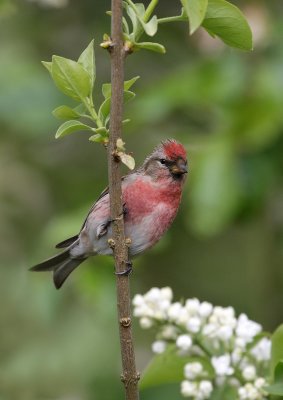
(90, 107)
(147, 15)
(172, 19)
(150, 9)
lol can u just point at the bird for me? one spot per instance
(151, 197)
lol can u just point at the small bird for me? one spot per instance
(151, 196)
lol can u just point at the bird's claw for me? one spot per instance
(127, 271)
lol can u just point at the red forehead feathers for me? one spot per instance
(174, 149)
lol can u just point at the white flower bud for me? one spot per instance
(236, 355)
(260, 383)
(205, 309)
(184, 342)
(262, 350)
(240, 343)
(222, 365)
(249, 373)
(158, 314)
(225, 333)
(194, 324)
(138, 300)
(142, 311)
(249, 392)
(146, 323)
(183, 317)
(205, 389)
(169, 332)
(164, 304)
(174, 311)
(159, 346)
(247, 329)
(193, 370)
(189, 389)
(223, 316)
(209, 330)
(167, 293)
(152, 295)
(192, 306)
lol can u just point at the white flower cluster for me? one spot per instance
(226, 349)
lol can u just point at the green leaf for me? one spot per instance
(126, 28)
(65, 112)
(128, 84)
(276, 349)
(195, 10)
(276, 388)
(128, 160)
(104, 111)
(87, 61)
(278, 373)
(103, 131)
(128, 96)
(96, 138)
(47, 65)
(140, 8)
(168, 367)
(106, 87)
(151, 26)
(71, 126)
(80, 109)
(136, 14)
(226, 21)
(106, 90)
(71, 78)
(102, 135)
(158, 48)
(133, 16)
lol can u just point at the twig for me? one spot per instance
(129, 376)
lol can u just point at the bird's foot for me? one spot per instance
(127, 271)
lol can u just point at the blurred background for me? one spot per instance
(226, 244)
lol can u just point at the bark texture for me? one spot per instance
(129, 376)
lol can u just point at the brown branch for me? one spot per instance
(129, 376)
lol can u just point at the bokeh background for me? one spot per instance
(226, 245)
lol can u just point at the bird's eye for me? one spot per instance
(162, 161)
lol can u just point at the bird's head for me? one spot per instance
(168, 160)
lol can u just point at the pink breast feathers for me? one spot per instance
(152, 207)
(140, 199)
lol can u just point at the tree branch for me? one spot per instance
(129, 376)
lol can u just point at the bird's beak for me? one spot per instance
(179, 168)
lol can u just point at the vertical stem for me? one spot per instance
(129, 376)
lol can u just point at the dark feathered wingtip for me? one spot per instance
(51, 263)
(67, 242)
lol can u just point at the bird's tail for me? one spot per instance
(62, 265)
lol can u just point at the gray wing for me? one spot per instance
(71, 240)
(102, 229)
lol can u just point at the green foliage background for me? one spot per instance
(226, 245)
